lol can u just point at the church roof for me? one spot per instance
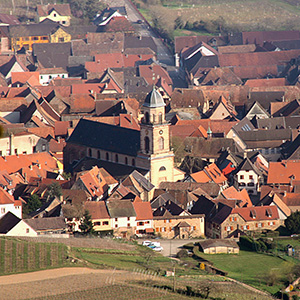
(106, 137)
(154, 99)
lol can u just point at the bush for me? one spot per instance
(182, 253)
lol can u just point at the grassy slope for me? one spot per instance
(250, 267)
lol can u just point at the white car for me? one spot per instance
(147, 243)
(156, 248)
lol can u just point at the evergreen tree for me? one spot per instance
(292, 223)
(86, 225)
(33, 203)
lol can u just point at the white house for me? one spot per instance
(47, 74)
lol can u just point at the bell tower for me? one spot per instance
(155, 153)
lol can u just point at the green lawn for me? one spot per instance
(251, 268)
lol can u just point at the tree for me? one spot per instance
(54, 190)
(33, 203)
(292, 223)
(86, 225)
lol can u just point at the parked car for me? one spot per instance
(156, 248)
(146, 243)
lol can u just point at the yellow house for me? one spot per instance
(59, 13)
(100, 217)
(27, 35)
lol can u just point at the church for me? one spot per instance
(118, 148)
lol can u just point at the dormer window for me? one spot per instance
(253, 214)
(268, 213)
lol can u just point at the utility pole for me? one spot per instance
(174, 279)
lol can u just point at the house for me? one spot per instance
(22, 143)
(59, 13)
(228, 222)
(109, 13)
(144, 217)
(180, 227)
(123, 217)
(13, 65)
(94, 182)
(101, 219)
(24, 36)
(219, 246)
(118, 24)
(210, 173)
(47, 74)
(9, 204)
(248, 177)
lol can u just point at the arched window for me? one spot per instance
(147, 144)
(117, 158)
(107, 156)
(153, 116)
(126, 161)
(90, 152)
(133, 162)
(162, 168)
(161, 143)
(98, 154)
(160, 118)
(147, 117)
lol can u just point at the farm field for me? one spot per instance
(235, 15)
(112, 264)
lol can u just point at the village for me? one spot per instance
(101, 135)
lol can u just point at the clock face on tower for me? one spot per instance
(161, 132)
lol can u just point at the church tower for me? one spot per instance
(155, 154)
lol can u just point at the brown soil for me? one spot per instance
(58, 281)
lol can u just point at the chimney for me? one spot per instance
(11, 144)
(245, 154)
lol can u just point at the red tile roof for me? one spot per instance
(143, 210)
(153, 72)
(257, 213)
(5, 197)
(97, 209)
(104, 61)
(282, 172)
(266, 82)
(61, 128)
(23, 77)
(211, 173)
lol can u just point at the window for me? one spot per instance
(140, 223)
(242, 184)
(43, 147)
(105, 223)
(147, 144)
(27, 230)
(63, 22)
(133, 162)
(116, 158)
(116, 226)
(17, 39)
(98, 154)
(26, 39)
(250, 184)
(16, 151)
(161, 143)
(2, 210)
(97, 223)
(35, 38)
(160, 118)
(128, 224)
(116, 219)
(54, 15)
(162, 168)
(106, 156)
(250, 176)
(24, 152)
(128, 218)
(163, 229)
(41, 76)
(50, 77)
(126, 161)
(147, 118)
(44, 38)
(241, 176)
(90, 152)
(61, 40)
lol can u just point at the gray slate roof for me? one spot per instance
(56, 223)
(7, 222)
(154, 99)
(120, 208)
(107, 137)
